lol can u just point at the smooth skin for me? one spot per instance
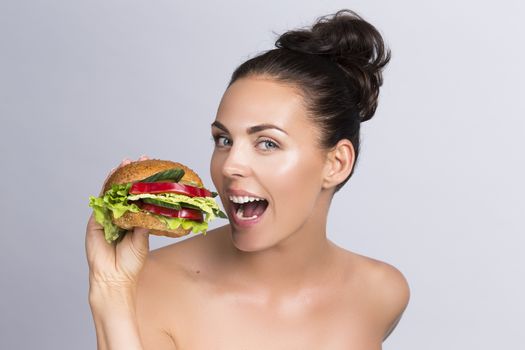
(280, 284)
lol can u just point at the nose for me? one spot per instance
(237, 162)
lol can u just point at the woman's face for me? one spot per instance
(265, 147)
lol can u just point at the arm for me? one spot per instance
(390, 294)
(113, 273)
(393, 326)
(395, 296)
(121, 324)
(115, 319)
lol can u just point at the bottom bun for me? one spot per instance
(150, 222)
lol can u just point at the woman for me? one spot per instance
(287, 133)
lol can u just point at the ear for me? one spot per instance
(339, 163)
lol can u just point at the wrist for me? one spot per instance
(111, 296)
(115, 320)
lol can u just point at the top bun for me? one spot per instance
(139, 170)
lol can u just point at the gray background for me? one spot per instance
(438, 189)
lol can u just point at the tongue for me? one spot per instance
(254, 208)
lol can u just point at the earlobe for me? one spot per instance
(339, 163)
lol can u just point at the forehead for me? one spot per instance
(258, 100)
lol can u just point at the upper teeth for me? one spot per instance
(245, 199)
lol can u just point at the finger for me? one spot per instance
(134, 245)
(140, 238)
(95, 241)
(125, 161)
(94, 231)
(92, 224)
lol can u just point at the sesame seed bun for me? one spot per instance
(139, 170)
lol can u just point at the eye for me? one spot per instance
(221, 141)
(267, 145)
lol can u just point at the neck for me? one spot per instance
(300, 258)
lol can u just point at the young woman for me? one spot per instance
(286, 133)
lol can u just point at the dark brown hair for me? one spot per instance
(337, 65)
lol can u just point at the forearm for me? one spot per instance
(115, 320)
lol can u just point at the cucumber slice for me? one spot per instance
(174, 175)
(169, 205)
(190, 206)
(161, 203)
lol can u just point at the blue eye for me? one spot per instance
(221, 141)
(268, 145)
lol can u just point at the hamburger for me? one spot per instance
(166, 197)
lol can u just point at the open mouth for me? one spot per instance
(248, 208)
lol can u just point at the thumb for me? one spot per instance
(140, 239)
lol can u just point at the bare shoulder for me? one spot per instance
(386, 283)
(385, 290)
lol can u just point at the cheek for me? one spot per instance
(216, 169)
(293, 180)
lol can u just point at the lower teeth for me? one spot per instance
(240, 212)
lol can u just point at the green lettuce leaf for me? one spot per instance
(174, 223)
(114, 202)
(103, 217)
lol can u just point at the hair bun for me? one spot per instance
(353, 44)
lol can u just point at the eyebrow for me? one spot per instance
(251, 129)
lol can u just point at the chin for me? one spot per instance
(247, 243)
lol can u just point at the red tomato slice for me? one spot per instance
(168, 187)
(184, 213)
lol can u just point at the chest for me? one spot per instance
(235, 321)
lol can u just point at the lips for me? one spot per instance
(241, 193)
